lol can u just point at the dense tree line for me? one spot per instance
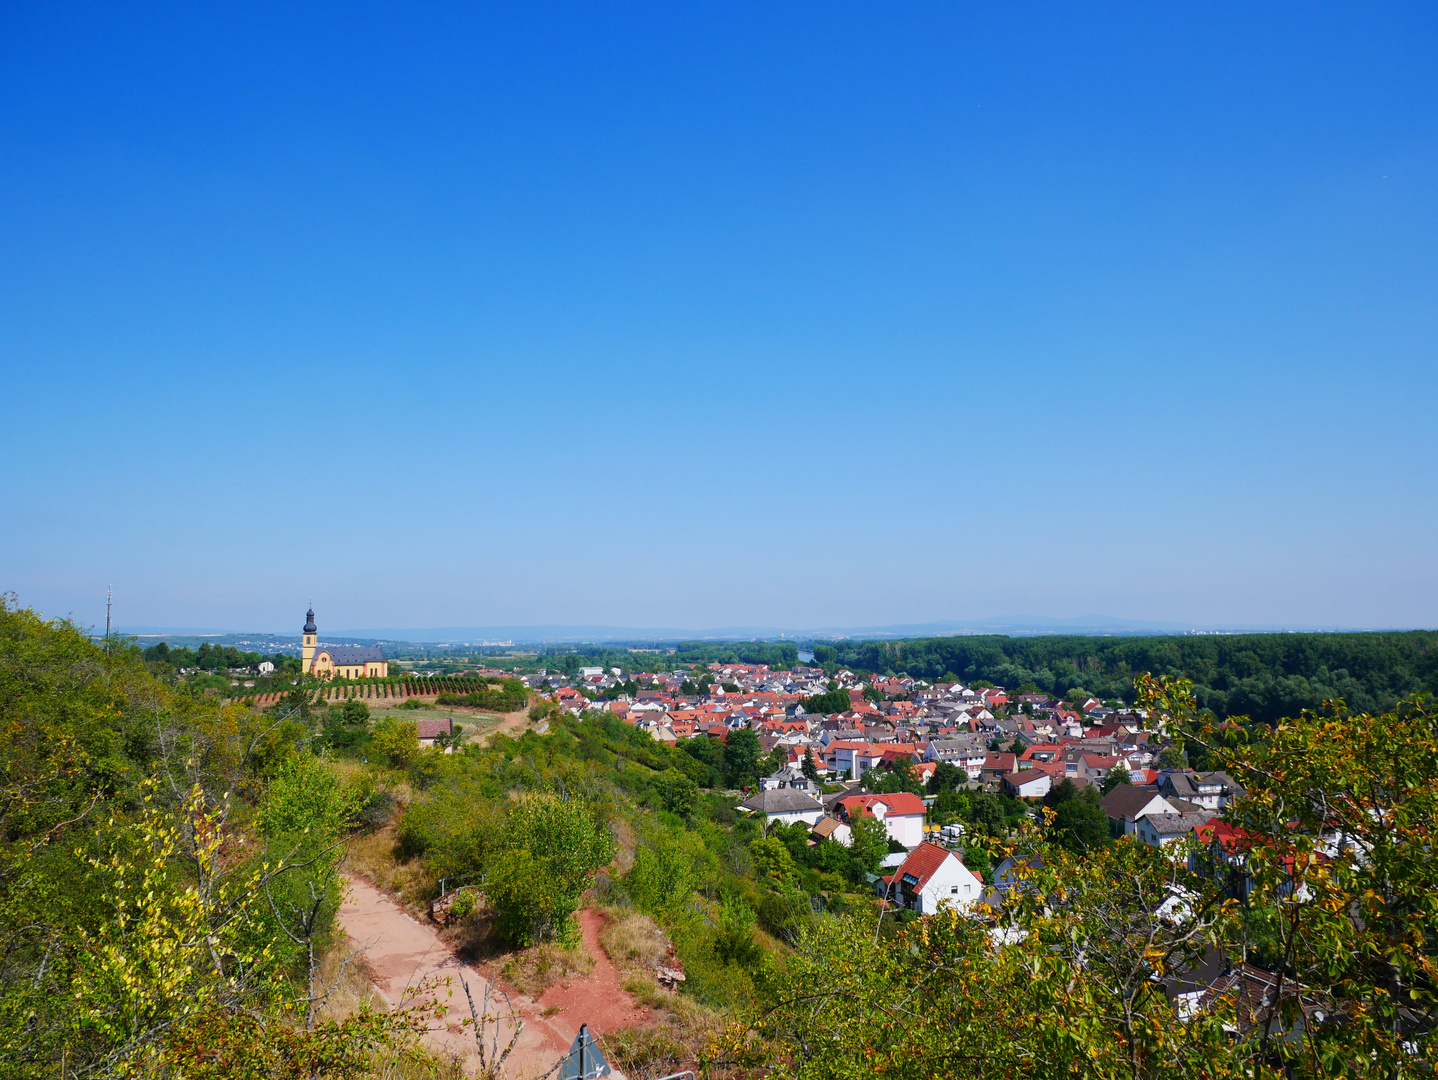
(1265, 676)
(211, 657)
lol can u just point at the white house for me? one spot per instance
(1161, 830)
(930, 878)
(266, 667)
(1029, 784)
(832, 828)
(1127, 805)
(901, 812)
(785, 805)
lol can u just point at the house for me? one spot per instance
(1125, 805)
(1013, 871)
(1029, 784)
(901, 812)
(832, 828)
(1159, 830)
(266, 667)
(436, 733)
(786, 805)
(997, 765)
(789, 777)
(931, 877)
(851, 757)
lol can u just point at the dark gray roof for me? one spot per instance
(351, 654)
(780, 801)
(1125, 800)
(1176, 824)
(310, 622)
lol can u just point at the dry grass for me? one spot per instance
(534, 970)
(625, 841)
(374, 856)
(347, 983)
(414, 1062)
(633, 941)
(644, 1053)
(637, 945)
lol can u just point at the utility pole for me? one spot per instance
(109, 596)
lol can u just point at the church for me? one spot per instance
(339, 661)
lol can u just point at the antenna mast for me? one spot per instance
(109, 596)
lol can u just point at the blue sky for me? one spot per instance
(693, 315)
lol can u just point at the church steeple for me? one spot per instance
(307, 648)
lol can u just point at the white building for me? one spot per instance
(930, 878)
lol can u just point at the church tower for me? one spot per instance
(307, 648)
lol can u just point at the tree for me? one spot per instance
(771, 857)
(397, 741)
(869, 840)
(1337, 823)
(1172, 757)
(832, 701)
(988, 813)
(547, 851)
(873, 693)
(741, 757)
(946, 777)
(809, 768)
(1113, 778)
(1079, 824)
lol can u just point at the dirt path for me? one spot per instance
(406, 955)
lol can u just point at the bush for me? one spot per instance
(397, 741)
(547, 853)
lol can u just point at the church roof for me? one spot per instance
(310, 627)
(351, 654)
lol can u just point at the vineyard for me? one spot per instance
(475, 691)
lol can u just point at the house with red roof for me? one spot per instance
(930, 878)
(902, 813)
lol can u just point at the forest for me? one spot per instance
(1263, 676)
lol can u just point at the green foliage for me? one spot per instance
(1172, 757)
(509, 696)
(396, 741)
(546, 853)
(772, 859)
(1265, 676)
(741, 758)
(146, 905)
(869, 841)
(832, 701)
(1113, 778)
(1078, 824)
(946, 777)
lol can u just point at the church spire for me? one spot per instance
(310, 627)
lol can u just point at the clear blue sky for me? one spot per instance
(698, 315)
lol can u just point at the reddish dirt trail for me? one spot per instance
(599, 998)
(405, 953)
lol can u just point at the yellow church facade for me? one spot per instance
(339, 661)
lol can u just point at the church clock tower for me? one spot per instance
(307, 648)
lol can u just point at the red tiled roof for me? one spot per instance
(901, 803)
(924, 862)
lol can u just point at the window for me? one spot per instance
(953, 890)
